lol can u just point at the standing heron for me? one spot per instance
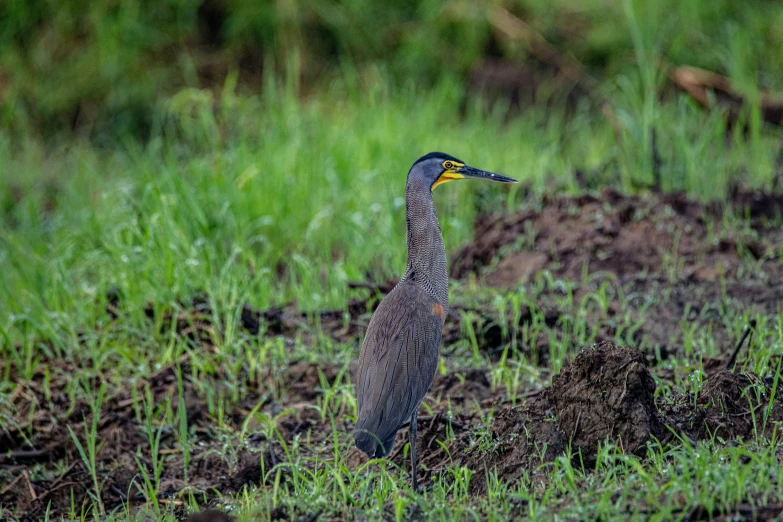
(401, 348)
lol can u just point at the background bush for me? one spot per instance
(104, 67)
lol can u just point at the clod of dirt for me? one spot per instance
(731, 400)
(209, 515)
(729, 406)
(607, 393)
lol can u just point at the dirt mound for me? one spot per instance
(618, 234)
(607, 395)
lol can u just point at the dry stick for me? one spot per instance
(25, 454)
(62, 476)
(26, 476)
(9, 486)
(117, 491)
(748, 330)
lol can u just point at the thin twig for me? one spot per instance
(26, 476)
(119, 492)
(748, 330)
(61, 477)
(26, 454)
(9, 486)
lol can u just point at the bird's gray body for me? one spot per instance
(401, 348)
(402, 344)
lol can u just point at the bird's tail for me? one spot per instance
(372, 444)
(366, 441)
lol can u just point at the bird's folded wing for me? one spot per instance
(398, 360)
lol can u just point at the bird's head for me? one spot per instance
(437, 168)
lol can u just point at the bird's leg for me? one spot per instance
(412, 431)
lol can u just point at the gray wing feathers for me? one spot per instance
(398, 360)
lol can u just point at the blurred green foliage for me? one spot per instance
(105, 66)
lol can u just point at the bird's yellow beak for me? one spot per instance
(448, 175)
(454, 170)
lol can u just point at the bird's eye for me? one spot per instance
(448, 165)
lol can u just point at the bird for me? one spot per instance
(401, 346)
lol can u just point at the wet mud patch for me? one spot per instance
(42, 466)
(622, 235)
(607, 395)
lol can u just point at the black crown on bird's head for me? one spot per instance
(438, 155)
(429, 167)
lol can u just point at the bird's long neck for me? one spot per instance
(426, 253)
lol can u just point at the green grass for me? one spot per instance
(224, 200)
(267, 200)
(288, 195)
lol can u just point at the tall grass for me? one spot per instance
(269, 199)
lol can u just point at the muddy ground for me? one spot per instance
(658, 257)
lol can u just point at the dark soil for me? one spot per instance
(621, 235)
(209, 515)
(607, 393)
(44, 445)
(520, 440)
